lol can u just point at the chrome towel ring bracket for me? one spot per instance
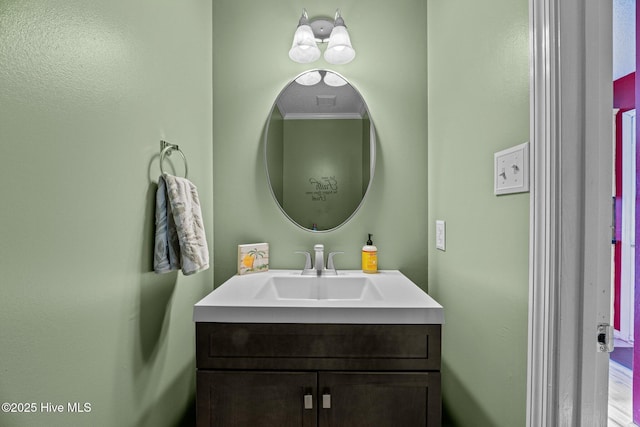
(166, 149)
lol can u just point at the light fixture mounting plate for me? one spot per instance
(321, 29)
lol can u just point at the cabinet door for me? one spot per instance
(256, 399)
(350, 399)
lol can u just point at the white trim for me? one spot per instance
(627, 262)
(570, 203)
(544, 105)
(323, 116)
(596, 97)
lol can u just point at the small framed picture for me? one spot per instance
(253, 258)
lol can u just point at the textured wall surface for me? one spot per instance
(87, 90)
(248, 75)
(479, 104)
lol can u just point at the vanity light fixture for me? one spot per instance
(339, 50)
(309, 79)
(305, 48)
(332, 79)
(312, 78)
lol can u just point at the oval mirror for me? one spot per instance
(319, 150)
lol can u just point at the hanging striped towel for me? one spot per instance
(180, 237)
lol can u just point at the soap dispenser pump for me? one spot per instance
(369, 257)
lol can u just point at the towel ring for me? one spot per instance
(167, 149)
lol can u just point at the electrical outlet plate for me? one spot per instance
(511, 170)
(440, 235)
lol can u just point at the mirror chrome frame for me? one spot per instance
(372, 159)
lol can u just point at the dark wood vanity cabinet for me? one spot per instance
(255, 398)
(327, 375)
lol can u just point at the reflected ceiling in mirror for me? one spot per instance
(319, 150)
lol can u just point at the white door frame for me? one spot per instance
(570, 245)
(628, 253)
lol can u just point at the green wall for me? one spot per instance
(87, 90)
(479, 104)
(311, 161)
(248, 75)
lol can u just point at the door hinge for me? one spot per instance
(605, 338)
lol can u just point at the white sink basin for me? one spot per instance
(339, 288)
(285, 296)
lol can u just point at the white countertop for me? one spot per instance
(397, 301)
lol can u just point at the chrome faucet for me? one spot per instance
(318, 268)
(319, 263)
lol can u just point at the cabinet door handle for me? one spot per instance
(308, 401)
(326, 401)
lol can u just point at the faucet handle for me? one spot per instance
(330, 265)
(307, 263)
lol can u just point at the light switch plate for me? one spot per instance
(440, 235)
(511, 170)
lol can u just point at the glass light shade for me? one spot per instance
(309, 79)
(339, 50)
(334, 80)
(304, 48)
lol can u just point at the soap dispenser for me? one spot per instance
(369, 257)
